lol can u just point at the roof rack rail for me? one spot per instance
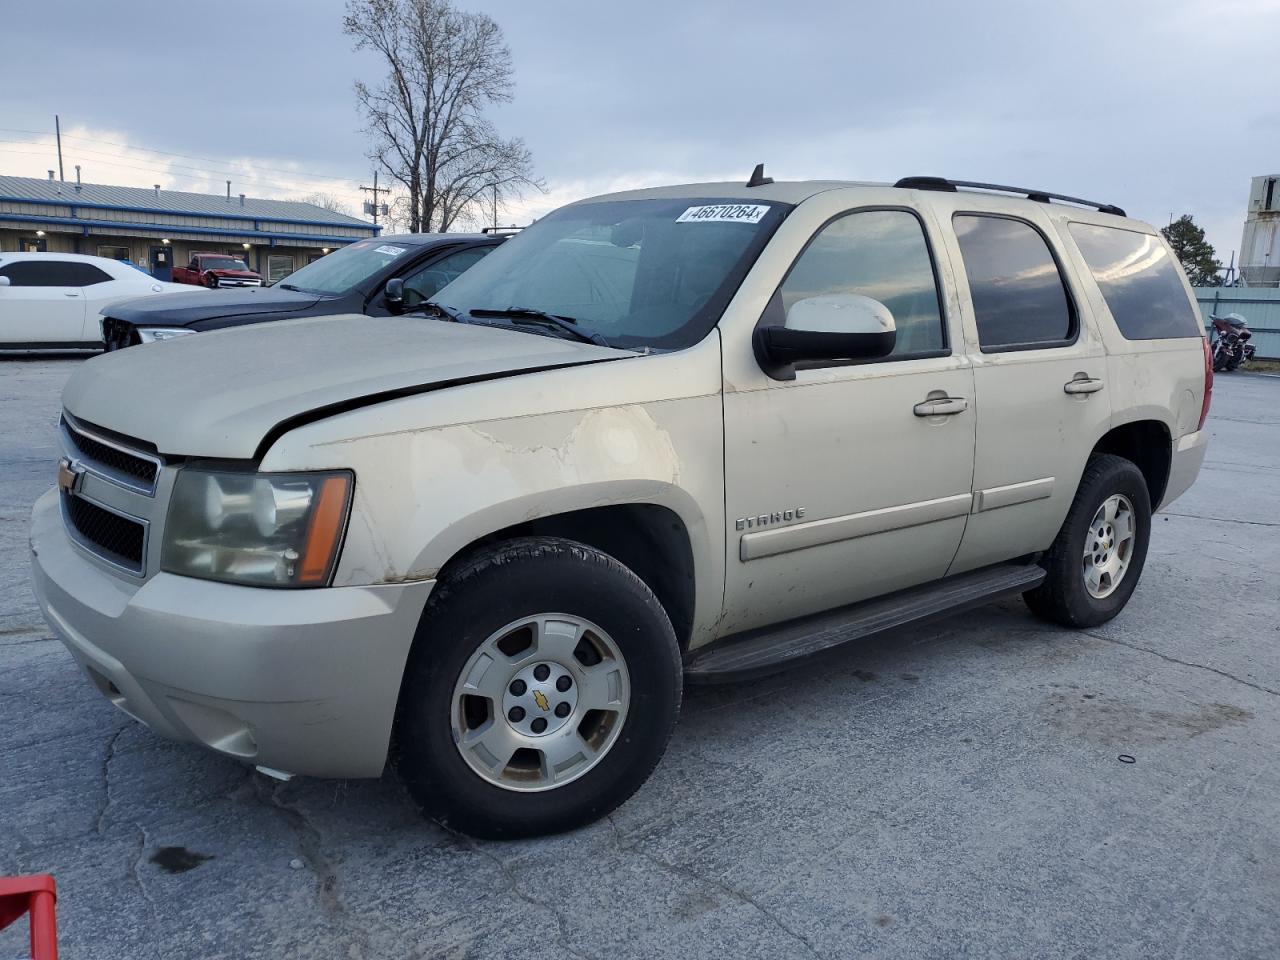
(950, 186)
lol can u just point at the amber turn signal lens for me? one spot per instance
(325, 531)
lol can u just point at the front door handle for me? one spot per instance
(941, 407)
(1082, 385)
(70, 293)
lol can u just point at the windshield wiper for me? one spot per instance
(542, 318)
(449, 313)
(289, 286)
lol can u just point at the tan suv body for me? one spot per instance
(811, 411)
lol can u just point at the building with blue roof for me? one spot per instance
(155, 229)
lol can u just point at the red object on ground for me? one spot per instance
(34, 895)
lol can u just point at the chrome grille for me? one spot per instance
(109, 458)
(114, 537)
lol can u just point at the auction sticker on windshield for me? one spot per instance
(724, 213)
(391, 251)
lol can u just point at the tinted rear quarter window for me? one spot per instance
(1139, 281)
(1019, 298)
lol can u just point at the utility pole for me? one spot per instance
(495, 206)
(375, 190)
(57, 126)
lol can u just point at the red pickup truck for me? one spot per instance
(217, 270)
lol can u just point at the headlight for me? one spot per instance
(260, 529)
(154, 334)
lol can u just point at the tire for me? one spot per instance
(505, 585)
(212, 282)
(1065, 596)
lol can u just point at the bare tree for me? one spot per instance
(444, 67)
(325, 201)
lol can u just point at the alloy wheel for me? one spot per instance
(540, 702)
(1108, 546)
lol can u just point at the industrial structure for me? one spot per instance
(156, 229)
(1260, 245)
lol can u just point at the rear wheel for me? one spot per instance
(543, 687)
(1096, 560)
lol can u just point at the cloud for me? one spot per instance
(1160, 106)
(106, 156)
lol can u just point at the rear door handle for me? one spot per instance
(1082, 385)
(941, 407)
(70, 293)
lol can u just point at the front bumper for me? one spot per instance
(1186, 458)
(303, 681)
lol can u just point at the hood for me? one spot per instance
(182, 309)
(220, 394)
(221, 272)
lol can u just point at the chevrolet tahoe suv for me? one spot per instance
(682, 434)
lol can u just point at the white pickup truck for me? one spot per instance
(693, 432)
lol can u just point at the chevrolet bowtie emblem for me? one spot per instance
(540, 699)
(69, 475)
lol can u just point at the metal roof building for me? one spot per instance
(154, 228)
(1260, 245)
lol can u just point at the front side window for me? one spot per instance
(426, 282)
(1019, 297)
(1139, 280)
(881, 254)
(653, 273)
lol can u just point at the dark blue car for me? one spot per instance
(355, 279)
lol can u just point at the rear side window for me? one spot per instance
(1139, 281)
(52, 273)
(1019, 298)
(881, 254)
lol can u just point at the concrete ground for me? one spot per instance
(952, 791)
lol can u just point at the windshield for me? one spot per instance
(337, 272)
(640, 273)
(223, 263)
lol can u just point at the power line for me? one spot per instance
(375, 190)
(186, 156)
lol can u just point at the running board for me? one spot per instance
(764, 650)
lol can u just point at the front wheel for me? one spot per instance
(212, 282)
(1096, 560)
(543, 686)
(1221, 358)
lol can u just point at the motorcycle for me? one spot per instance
(1231, 346)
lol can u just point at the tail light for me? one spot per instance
(1208, 382)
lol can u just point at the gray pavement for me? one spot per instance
(951, 791)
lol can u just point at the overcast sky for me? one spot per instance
(1160, 106)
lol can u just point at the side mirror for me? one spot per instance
(840, 326)
(393, 294)
(4, 281)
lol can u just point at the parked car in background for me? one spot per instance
(53, 301)
(214, 270)
(378, 277)
(695, 432)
